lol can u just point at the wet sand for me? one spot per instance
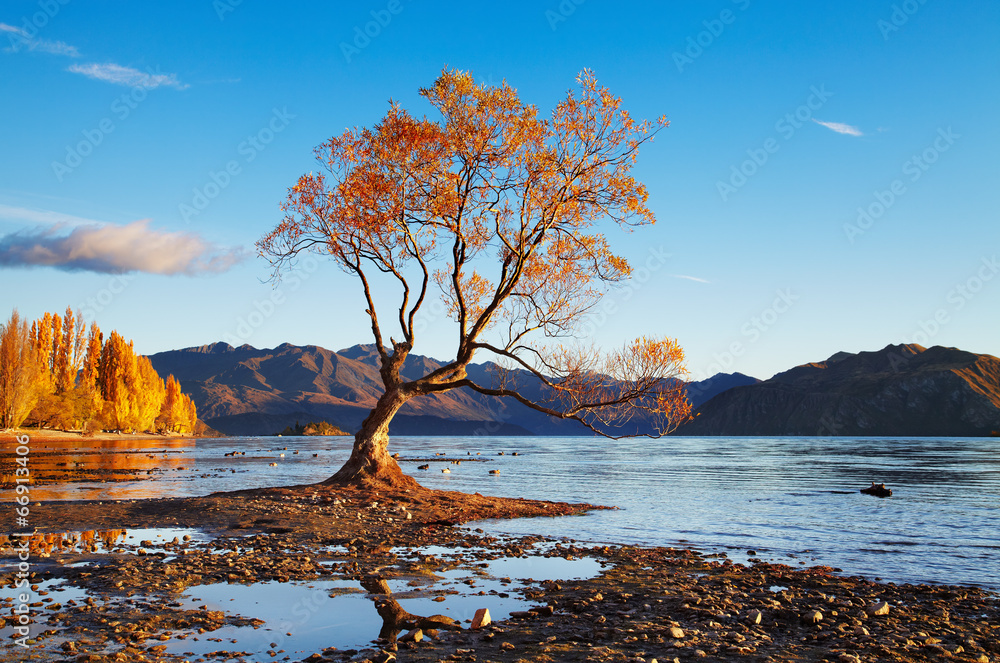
(647, 603)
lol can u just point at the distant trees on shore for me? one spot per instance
(312, 428)
(57, 373)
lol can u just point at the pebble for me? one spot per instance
(481, 618)
(416, 635)
(812, 617)
(878, 609)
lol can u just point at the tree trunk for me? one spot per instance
(370, 464)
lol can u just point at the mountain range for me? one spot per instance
(901, 390)
(250, 391)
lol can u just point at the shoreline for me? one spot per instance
(656, 592)
(46, 435)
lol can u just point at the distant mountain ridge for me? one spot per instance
(901, 390)
(250, 391)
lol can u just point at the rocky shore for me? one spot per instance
(662, 604)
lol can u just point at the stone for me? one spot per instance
(481, 618)
(416, 635)
(878, 609)
(812, 617)
(754, 616)
(506, 646)
(676, 632)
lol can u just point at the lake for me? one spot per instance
(791, 500)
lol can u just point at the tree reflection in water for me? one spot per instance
(395, 619)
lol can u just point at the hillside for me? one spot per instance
(250, 391)
(901, 390)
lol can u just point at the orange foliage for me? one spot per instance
(504, 212)
(71, 378)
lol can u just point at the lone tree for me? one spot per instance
(499, 210)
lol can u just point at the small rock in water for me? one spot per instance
(676, 632)
(481, 619)
(754, 616)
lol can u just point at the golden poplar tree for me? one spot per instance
(114, 375)
(147, 393)
(21, 374)
(89, 402)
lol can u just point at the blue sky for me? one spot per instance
(828, 180)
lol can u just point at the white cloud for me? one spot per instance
(19, 39)
(42, 217)
(108, 72)
(110, 248)
(689, 278)
(840, 128)
(119, 75)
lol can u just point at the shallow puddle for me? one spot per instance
(45, 544)
(305, 617)
(50, 593)
(541, 569)
(301, 618)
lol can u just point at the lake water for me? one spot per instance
(792, 500)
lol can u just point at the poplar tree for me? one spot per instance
(21, 380)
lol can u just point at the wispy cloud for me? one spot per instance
(689, 278)
(20, 39)
(108, 72)
(42, 217)
(840, 128)
(115, 249)
(127, 76)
